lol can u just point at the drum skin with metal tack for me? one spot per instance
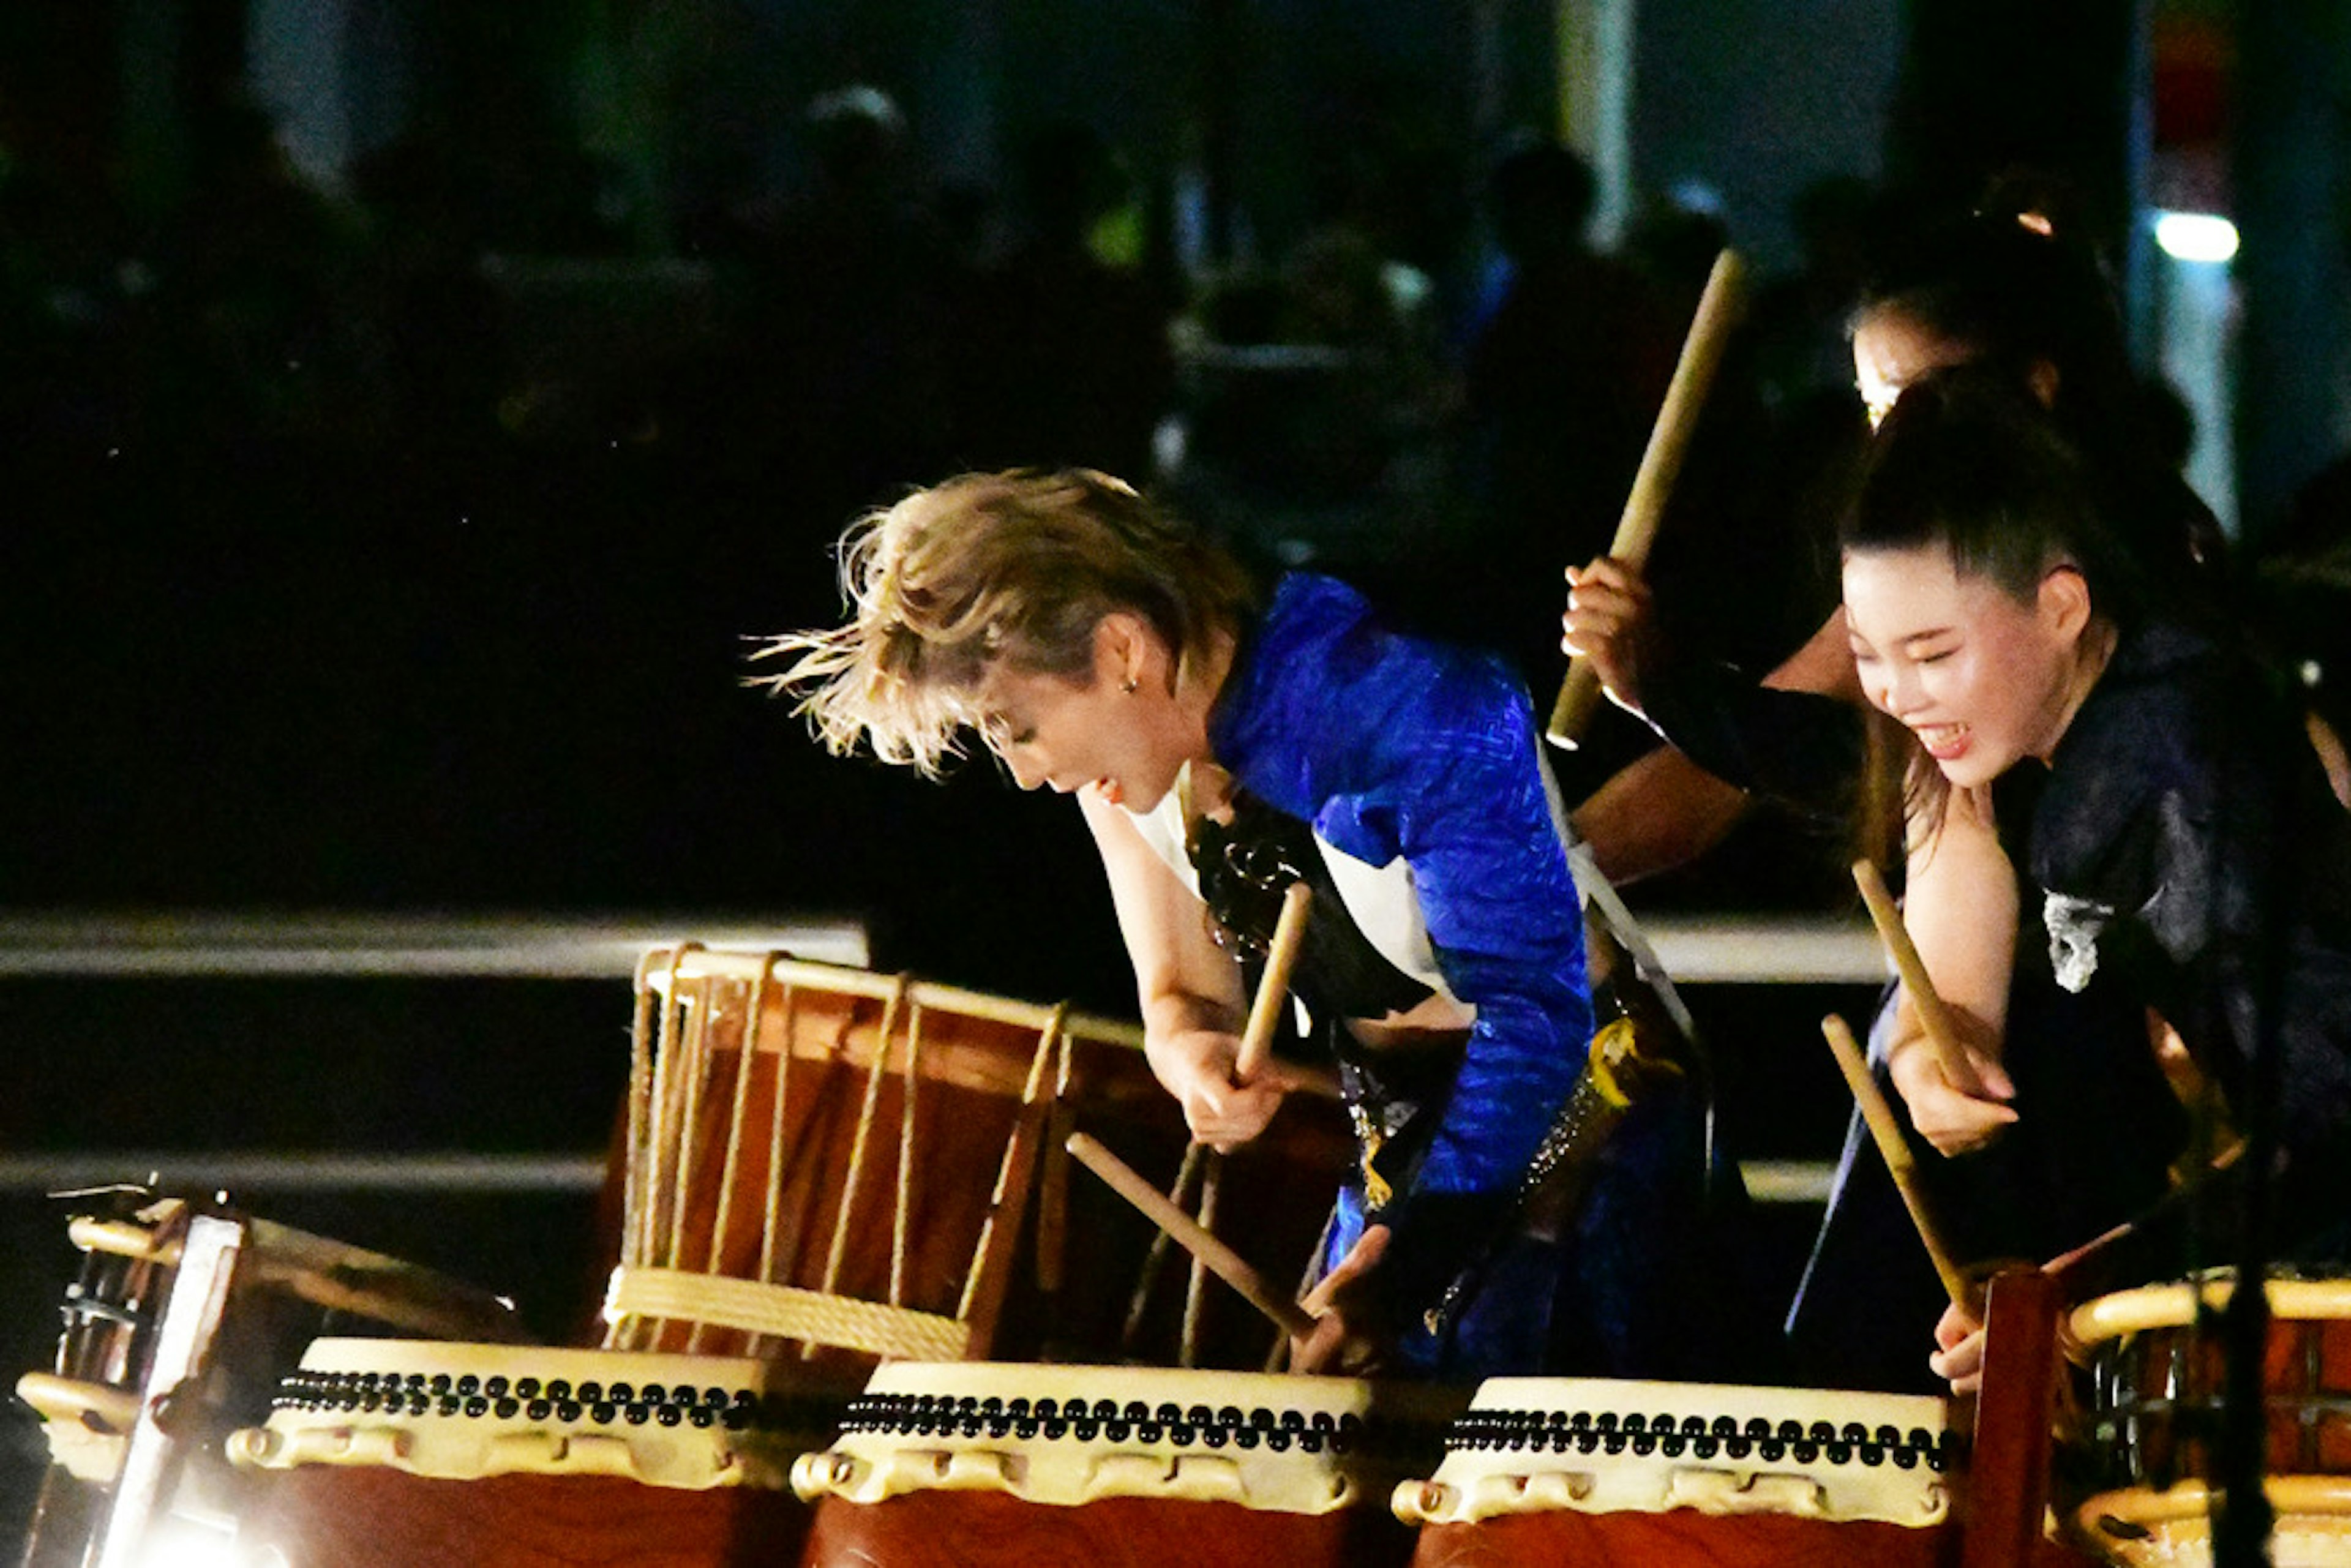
(1554, 1472)
(975, 1465)
(420, 1454)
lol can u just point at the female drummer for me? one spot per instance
(1223, 742)
(1989, 290)
(2184, 842)
(2031, 308)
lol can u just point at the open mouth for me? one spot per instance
(1943, 741)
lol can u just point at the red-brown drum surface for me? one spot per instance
(379, 1518)
(1683, 1538)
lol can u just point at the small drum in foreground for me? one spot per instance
(1561, 1471)
(978, 1465)
(2157, 1370)
(414, 1454)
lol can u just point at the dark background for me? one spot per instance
(388, 541)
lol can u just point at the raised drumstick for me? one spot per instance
(1220, 1259)
(1273, 988)
(1933, 1016)
(1888, 1133)
(1661, 463)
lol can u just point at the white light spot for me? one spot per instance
(2196, 236)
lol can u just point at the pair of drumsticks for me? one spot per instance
(1942, 1036)
(1702, 349)
(1257, 1044)
(1273, 993)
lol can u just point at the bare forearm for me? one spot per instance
(1655, 814)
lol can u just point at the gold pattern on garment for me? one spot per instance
(1368, 1138)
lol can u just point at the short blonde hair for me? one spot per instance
(1017, 567)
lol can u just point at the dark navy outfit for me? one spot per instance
(2186, 846)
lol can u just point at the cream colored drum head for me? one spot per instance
(463, 1412)
(1532, 1444)
(1075, 1434)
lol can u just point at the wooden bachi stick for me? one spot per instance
(1222, 1260)
(1888, 1133)
(1273, 988)
(1933, 1016)
(1661, 462)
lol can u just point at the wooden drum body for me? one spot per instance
(416, 1454)
(2157, 1380)
(1570, 1472)
(1000, 1466)
(870, 1167)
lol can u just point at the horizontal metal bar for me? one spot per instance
(450, 1173)
(223, 945)
(288, 1171)
(1701, 949)
(1788, 1181)
(1766, 949)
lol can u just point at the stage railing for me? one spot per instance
(1697, 950)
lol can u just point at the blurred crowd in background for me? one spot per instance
(460, 378)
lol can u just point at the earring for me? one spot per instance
(1128, 686)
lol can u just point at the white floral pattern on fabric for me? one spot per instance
(2074, 924)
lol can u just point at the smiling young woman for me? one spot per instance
(2180, 833)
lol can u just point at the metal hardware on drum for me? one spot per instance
(2157, 1376)
(172, 1332)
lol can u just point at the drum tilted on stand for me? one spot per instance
(1551, 1472)
(823, 1167)
(872, 1166)
(1001, 1465)
(2158, 1367)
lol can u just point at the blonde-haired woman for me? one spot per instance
(1223, 741)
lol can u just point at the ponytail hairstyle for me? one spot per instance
(2015, 286)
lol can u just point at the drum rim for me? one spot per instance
(694, 961)
(2323, 1496)
(2173, 1305)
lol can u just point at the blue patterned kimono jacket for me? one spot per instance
(1396, 748)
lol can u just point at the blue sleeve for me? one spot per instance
(1451, 773)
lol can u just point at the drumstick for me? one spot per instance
(1222, 1260)
(1273, 988)
(1888, 1133)
(1933, 1016)
(2189, 1191)
(1661, 462)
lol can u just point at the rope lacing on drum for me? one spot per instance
(866, 1110)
